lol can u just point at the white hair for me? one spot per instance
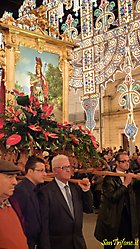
(57, 159)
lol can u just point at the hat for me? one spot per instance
(8, 168)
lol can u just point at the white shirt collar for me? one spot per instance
(61, 184)
(121, 177)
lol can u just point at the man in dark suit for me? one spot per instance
(25, 194)
(62, 212)
(116, 222)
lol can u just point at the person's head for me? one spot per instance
(134, 157)
(35, 170)
(38, 66)
(8, 173)
(109, 155)
(61, 168)
(122, 161)
(138, 159)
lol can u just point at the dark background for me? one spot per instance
(13, 6)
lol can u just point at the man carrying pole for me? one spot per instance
(117, 223)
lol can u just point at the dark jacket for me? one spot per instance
(28, 201)
(14, 203)
(59, 229)
(115, 196)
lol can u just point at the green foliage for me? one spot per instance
(18, 87)
(30, 125)
(54, 77)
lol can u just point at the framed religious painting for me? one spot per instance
(38, 65)
(41, 77)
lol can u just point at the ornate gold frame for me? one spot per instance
(10, 53)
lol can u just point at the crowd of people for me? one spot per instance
(39, 215)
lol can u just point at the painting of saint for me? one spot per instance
(38, 74)
(39, 85)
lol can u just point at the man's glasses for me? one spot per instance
(40, 170)
(124, 161)
(65, 167)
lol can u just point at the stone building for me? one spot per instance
(113, 116)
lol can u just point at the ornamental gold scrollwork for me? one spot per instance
(40, 17)
(70, 68)
(14, 39)
(2, 50)
(17, 56)
(7, 19)
(2, 57)
(66, 59)
(40, 44)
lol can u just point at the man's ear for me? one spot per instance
(30, 171)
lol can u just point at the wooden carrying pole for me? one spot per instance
(50, 176)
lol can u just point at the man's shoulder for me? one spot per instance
(111, 179)
(48, 186)
(23, 186)
(74, 186)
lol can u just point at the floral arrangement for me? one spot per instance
(30, 125)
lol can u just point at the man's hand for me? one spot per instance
(84, 184)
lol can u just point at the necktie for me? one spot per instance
(69, 198)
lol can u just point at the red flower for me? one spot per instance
(74, 139)
(85, 131)
(18, 93)
(35, 127)
(62, 126)
(1, 126)
(42, 116)
(52, 135)
(48, 110)
(13, 120)
(11, 110)
(1, 135)
(94, 142)
(1, 123)
(29, 109)
(48, 134)
(13, 139)
(34, 101)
